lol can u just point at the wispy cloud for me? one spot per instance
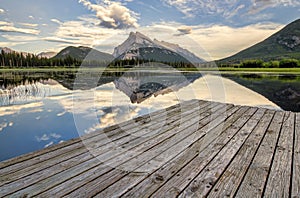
(222, 41)
(29, 24)
(3, 23)
(258, 5)
(56, 21)
(59, 40)
(18, 38)
(9, 27)
(191, 8)
(1, 11)
(18, 30)
(228, 8)
(84, 31)
(113, 14)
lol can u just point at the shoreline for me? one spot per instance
(205, 70)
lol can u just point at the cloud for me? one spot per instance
(18, 30)
(31, 17)
(56, 21)
(113, 14)
(9, 27)
(222, 41)
(84, 31)
(2, 23)
(17, 38)
(259, 5)
(3, 126)
(29, 24)
(212, 42)
(191, 8)
(59, 40)
(226, 9)
(46, 137)
(184, 30)
(1, 11)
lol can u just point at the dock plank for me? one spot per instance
(168, 148)
(296, 165)
(154, 181)
(121, 186)
(203, 183)
(230, 180)
(181, 179)
(256, 176)
(278, 183)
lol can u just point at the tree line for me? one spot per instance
(17, 60)
(284, 63)
(129, 63)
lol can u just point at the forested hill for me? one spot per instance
(285, 44)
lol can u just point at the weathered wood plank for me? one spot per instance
(230, 180)
(149, 185)
(101, 140)
(256, 176)
(180, 141)
(278, 184)
(78, 180)
(181, 179)
(166, 171)
(296, 165)
(119, 187)
(203, 183)
(63, 171)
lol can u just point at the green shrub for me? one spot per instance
(288, 63)
(252, 64)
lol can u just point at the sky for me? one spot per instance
(212, 29)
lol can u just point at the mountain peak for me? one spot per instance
(134, 41)
(137, 40)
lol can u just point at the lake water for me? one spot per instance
(38, 110)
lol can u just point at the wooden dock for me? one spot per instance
(195, 149)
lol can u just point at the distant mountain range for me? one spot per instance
(136, 46)
(283, 44)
